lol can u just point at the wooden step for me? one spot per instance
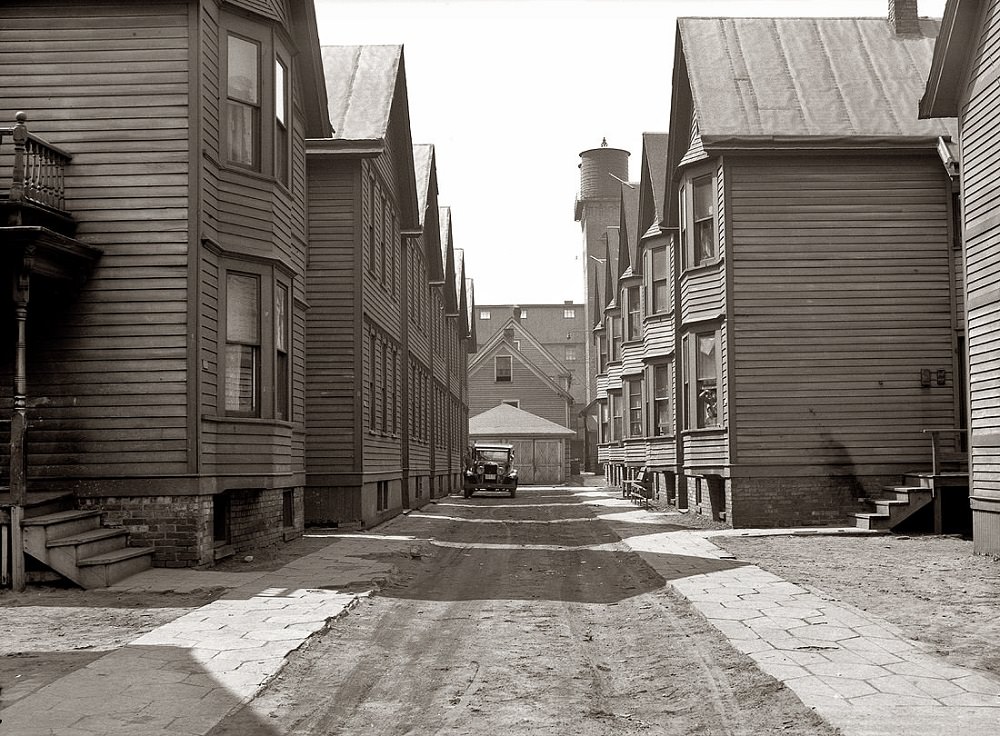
(108, 568)
(86, 544)
(39, 530)
(872, 521)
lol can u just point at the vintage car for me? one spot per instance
(490, 468)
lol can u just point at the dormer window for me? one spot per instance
(698, 226)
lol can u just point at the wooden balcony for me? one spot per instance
(34, 174)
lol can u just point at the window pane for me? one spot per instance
(659, 256)
(661, 296)
(281, 318)
(706, 368)
(280, 101)
(244, 70)
(503, 367)
(242, 133)
(242, 308)
(241, 378)
(702, 198)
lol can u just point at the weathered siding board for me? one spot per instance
(703, 293)
(109, 83)
(632, 365)
(662, 453)
(333, 369)
(535, 395)
(658, 339)
(841, 295)
(706, 449)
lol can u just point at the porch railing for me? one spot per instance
(38, 169)
(947, 449)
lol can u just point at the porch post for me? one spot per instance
(19, 423)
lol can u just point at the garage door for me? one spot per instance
(524, 460)
(548, 461)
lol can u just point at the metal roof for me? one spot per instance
(834, 78)
(360, 84)
(423, 156)
(509, 421)
(653, 176)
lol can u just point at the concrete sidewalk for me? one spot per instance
(182, 678)
(859, 672)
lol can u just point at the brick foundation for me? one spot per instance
(180, 528)
(810, 501)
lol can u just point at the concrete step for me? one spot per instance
(108, 568)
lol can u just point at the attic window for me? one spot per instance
(516, 403)
(502, 368)
(524, 314)
(484, 314)
(569, 314)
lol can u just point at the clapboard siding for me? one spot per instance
(636, 452)
(706, 449)
(108, 82)
(632, 364)
(534, 394)
(658, 336)
(841, 294)
(334, 371)
(662, 452)
(981, 202)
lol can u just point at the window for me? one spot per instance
(243, 101)
(699, 238)
(371, 381)
(660, 288)
(635, 408)
(256, 91)
(484, 314)
(517, 344)
(602, 354)
(502, 368)
(571, 354)
(706, 380)
(614, 338)
(704, 221)
(282, 378)
(242, 344)
(604, 419)
(524, 314)
(282, 143)
(700, 353)
(569, 314)
(516, 403)
(633, 326)
(615, 401)
(662, 419)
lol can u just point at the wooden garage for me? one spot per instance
(539, 445)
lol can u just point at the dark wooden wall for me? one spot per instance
(841, 294)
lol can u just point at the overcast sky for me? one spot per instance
(510, 91)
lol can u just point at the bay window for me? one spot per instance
(242, 344)
(701, 370)
(256, 106)
(660, 286)
(635, 407)
(633, 324)
(662, 417)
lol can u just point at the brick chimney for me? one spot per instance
(903, 18)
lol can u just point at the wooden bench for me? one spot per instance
(639, 490)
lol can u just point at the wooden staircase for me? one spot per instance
(77, 545)
(897, 504)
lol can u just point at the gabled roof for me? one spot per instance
(652, 181)
(525, 335)
(952, 52)
(509, 421)
(628, 226)
(425, 171)
(361, 85)
(840, 81)
(369, 110)
(596, 305)
(448, 262)
(610, 267)
(473, 339)
(460, 296)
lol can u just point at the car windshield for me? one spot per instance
(491, 456)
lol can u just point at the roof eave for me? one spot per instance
(365, 148)
(732, 143)
(941, 95)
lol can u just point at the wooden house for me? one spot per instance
(163, 383)
(362, 208)
(962, 83)
(816, 314)
(540, 446)
(423, 266)
(562, 330)
(513, 367)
